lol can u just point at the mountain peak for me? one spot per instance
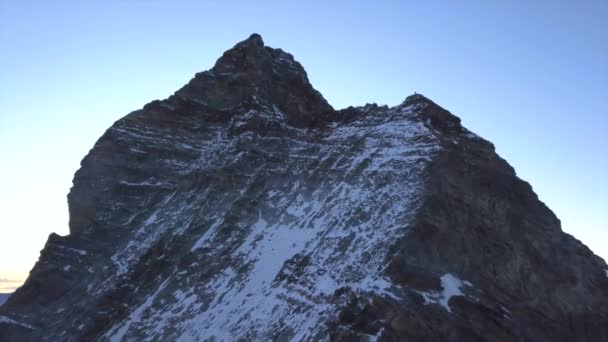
(415, 98)
(251, 72)
(212, 215)
(250, 52)
(438, 116)
(254, 40)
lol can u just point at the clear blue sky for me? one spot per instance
(531, 76)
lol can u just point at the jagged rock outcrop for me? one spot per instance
(244, 207)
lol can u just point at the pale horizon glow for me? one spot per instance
(530, 77)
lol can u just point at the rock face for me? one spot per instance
(244, 207)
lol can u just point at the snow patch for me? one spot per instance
(374, 338)
(451, 287)
(205, 239)
(325, 285)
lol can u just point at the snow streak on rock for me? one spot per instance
(310, 235)
(4, 319)
(451, 286)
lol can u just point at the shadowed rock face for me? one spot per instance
(244, 207)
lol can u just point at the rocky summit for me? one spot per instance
(245, 208)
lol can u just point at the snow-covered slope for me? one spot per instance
(244, 207)
(319, 226)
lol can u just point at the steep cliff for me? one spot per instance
(244, 207)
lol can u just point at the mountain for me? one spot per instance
(244, 207)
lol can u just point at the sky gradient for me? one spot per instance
(531, 78)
